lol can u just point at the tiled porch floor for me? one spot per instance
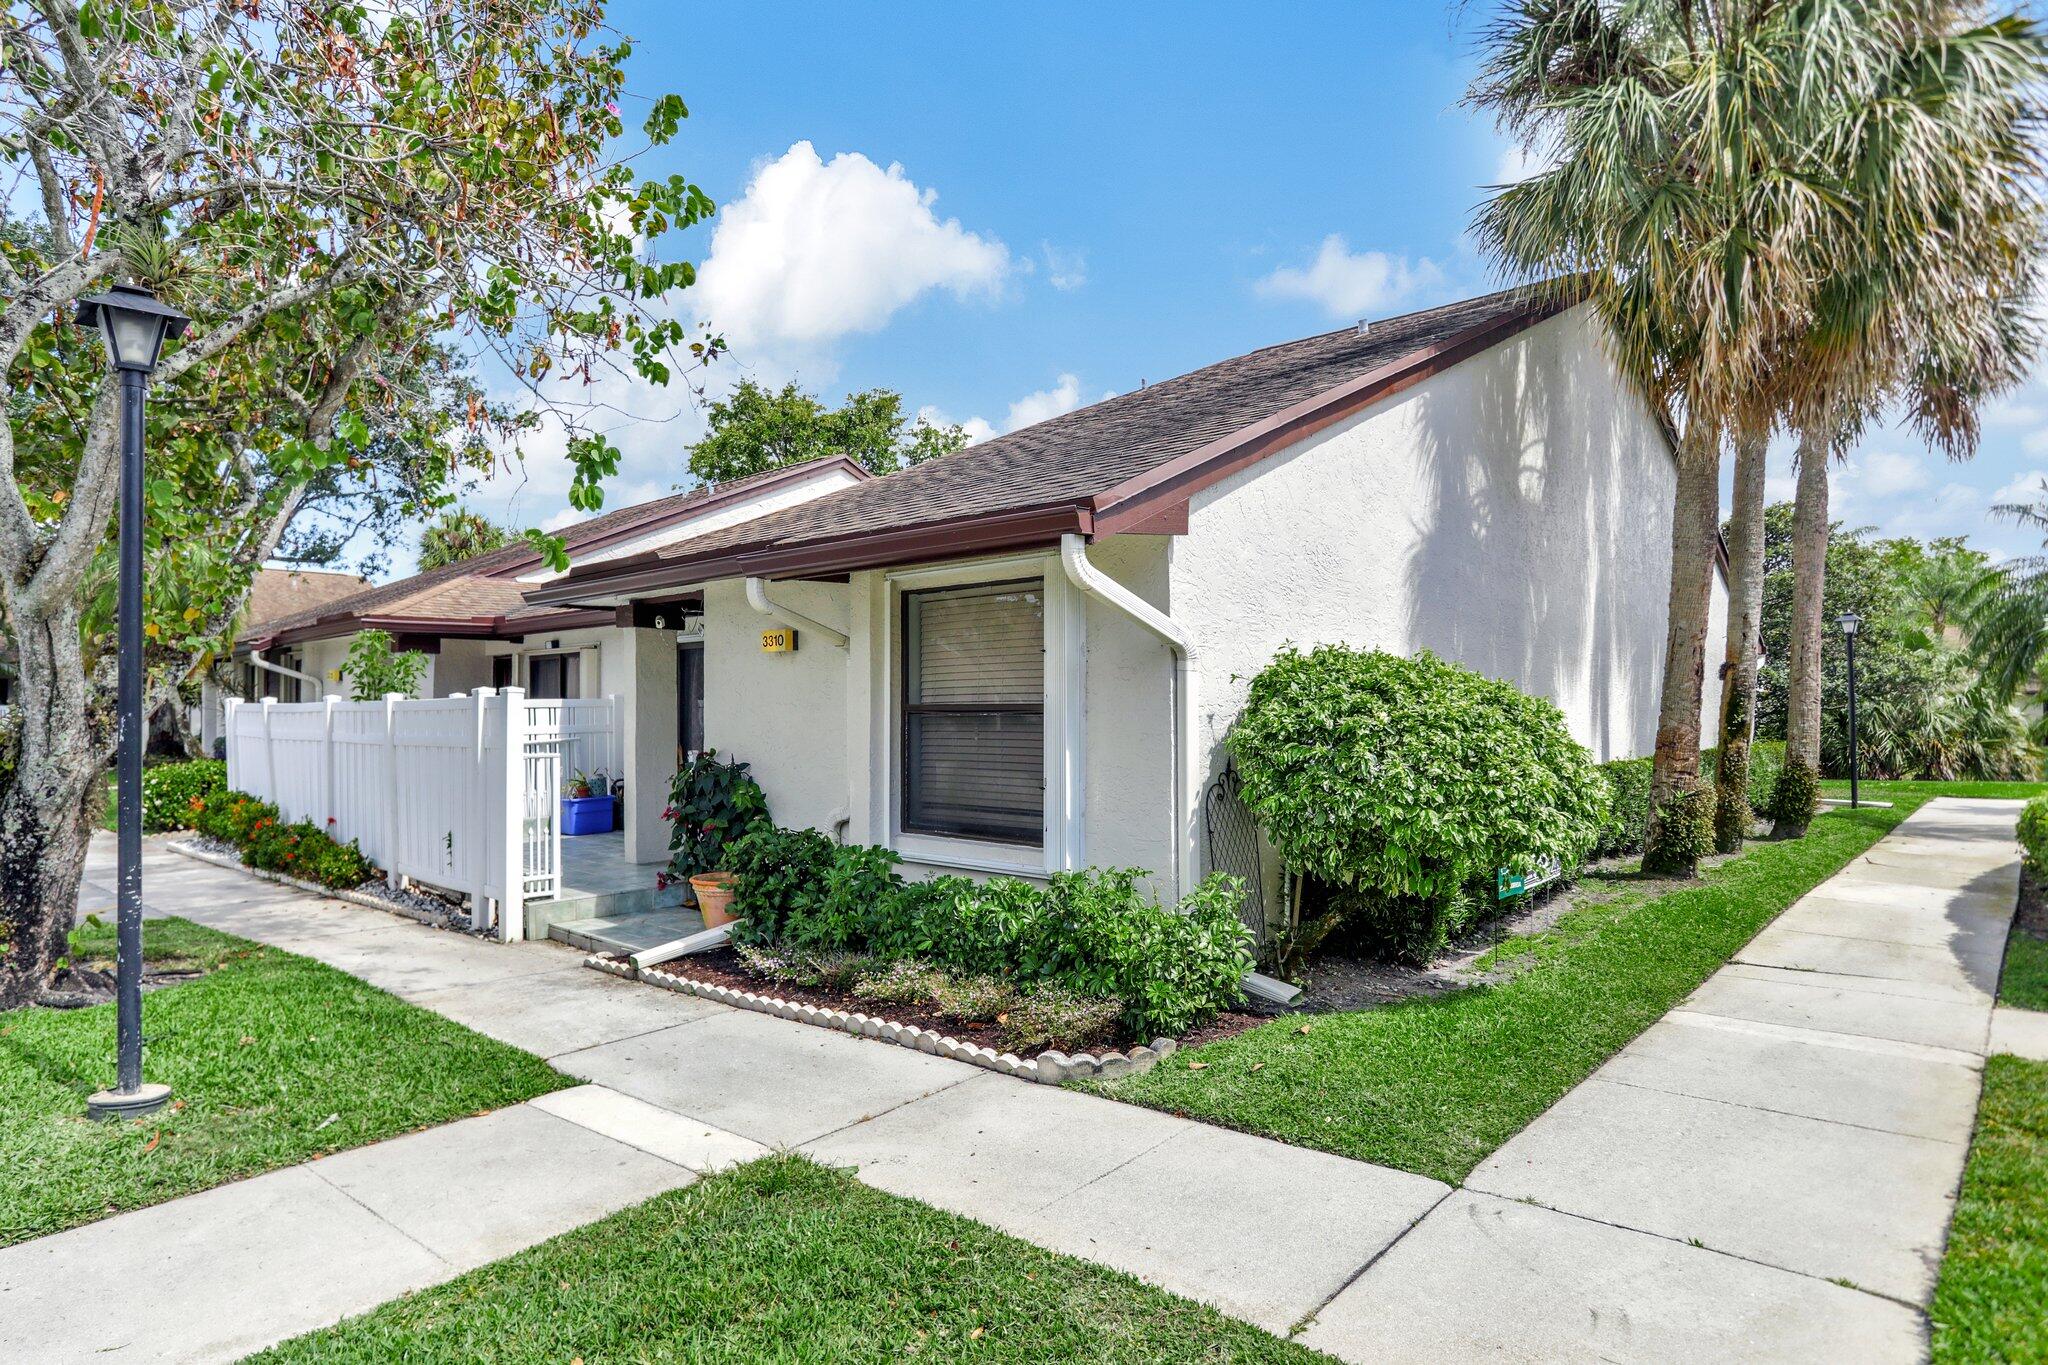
(608, 903)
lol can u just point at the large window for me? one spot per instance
(974, 712)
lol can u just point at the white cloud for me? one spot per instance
(817, 250)
(2023, 488)
(1517, 162)
(1063, 396)
(1886, 473)
(1064, 270)
(1348, 284)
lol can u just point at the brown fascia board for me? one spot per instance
(769, 481)
(452, 627)
(1159, 491)
(932, 541)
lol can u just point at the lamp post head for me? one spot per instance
(1848, 621)
(134, 323)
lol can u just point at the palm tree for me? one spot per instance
(1688, 185)
(2007, 615)
(1782, 212)
(1926, 304)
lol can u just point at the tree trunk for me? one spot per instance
(43, 824)
(1738, 672)
(1794, 807)
(1681, 815)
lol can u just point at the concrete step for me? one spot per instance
(626, 933)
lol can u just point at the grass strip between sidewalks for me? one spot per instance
(273, 1059)
(786, 1260)
(1436, 1084)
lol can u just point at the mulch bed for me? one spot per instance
(723, 967)
(2032, 918)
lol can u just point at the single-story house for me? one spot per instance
(1023, 657)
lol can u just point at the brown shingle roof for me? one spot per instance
(479, 590)
(1098, 456)
(286, 592)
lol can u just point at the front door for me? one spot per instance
(689, 701)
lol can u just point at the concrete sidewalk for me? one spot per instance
(1800, 1120)
(1767, 1173)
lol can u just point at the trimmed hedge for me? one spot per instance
(1628, 780)
(1405, 784)
(169, 789)
(2033, 834)
(302, 850)
(1090, 932)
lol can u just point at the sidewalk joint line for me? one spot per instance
(314, 1167)
(1767, 1109)
(1306, 1320)
(1187, 1126)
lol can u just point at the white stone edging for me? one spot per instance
(1048, 1068)
(331, 893)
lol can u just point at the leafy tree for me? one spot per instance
(351, 200)
(373, 668)
(757, 429)
(460, 534)
(1922, 710)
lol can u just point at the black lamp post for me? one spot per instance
(1848, 621)
(134, 324)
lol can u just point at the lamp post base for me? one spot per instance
(112, 1104)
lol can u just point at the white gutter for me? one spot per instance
(256, 658)
(757, 598)
(1090, 580)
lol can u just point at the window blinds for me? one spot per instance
(974, 712)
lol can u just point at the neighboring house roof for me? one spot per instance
(482, 595)
(1128, 463)
(278, 593)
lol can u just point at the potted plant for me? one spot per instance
(710, 804)
(584, 811)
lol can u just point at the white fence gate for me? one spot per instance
(461, 793)
(588, 731)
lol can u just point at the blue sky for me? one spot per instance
(1003, 212)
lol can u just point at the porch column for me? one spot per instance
(649, 724)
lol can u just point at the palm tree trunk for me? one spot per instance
(1738, 672)
(1681, 815)
(1794, 803)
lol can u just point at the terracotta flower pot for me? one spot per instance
(714, 897)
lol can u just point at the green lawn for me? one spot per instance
(785, 1260)
(1435, 1085)
(273, 1059)
(1988, 1304)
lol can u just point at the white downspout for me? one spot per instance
(1090, 580)
(757, 598)
(256, 658)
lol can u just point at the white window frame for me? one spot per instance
(1061, 845)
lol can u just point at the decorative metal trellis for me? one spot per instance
(1234, 848)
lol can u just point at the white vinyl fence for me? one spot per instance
(588, 728)
(461, 793)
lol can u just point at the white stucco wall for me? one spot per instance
(1512, 514)
(785, 714)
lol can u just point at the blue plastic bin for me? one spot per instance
(586, 815)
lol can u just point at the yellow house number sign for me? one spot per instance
(778, 641)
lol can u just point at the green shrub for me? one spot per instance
(1766, 761)
(1092, 933)
(305, 851)
(780, 878)
(1795, 797)
(230, 815)
(1685, 833)
(1628, 817)
(903, 982)
(710, 804)
(2034, 834)
(170, 791)
(1400, 782)
(373, 668)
